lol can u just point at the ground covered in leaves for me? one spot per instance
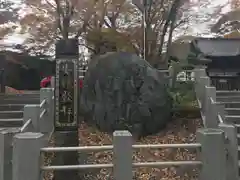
(178, 131)
(181, 130)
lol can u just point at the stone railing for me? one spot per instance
(37, 118)
(213, 116)
(212, 161)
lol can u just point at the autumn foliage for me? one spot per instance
(94, 22)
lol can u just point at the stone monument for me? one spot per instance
(123, 91)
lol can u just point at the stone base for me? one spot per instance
(66, 139)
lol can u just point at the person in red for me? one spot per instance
(81, 83)
(46, 82)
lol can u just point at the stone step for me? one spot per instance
(232, 111)
(15, 122)
(228, 93)
(231, 104)
(20, 101)
(19, 98)
(228, 98)
(11, 114)
(238, 128)
(19, 95)
(238, 152)
(11, 107)
(13, 128)
(233, 119)
(239, 167)
(31, 92)
(238, 138)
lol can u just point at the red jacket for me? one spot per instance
(47, 81)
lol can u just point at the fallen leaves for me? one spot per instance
(10, 90)
(178, 131)
(48, 159)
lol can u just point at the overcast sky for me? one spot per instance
(200, 24)
(197, 26)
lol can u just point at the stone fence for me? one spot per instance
(37, 118)
(213, 116)
(212, 160)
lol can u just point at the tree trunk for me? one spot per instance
(171, 28)
(171, 16)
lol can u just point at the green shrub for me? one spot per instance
(184, 100)
(183, 93)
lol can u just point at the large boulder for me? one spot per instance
(123, 91)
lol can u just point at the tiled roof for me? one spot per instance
(218, 46)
